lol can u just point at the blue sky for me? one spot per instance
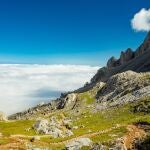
(83, 32)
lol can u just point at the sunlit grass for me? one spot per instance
(17, 127)
(88, 122)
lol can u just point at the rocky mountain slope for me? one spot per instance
(138, 61)
(111, 112)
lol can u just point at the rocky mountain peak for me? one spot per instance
(137, 61)
(125, 57)
(129, 54)
(111, 62)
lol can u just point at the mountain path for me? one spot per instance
(134, 132)
(19, 140)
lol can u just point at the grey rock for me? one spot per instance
(68, 101)
(77, 144)
(41, 126)
(98, 146)
(69, 133)
(52, 127)
(56, 133)
(123, 88)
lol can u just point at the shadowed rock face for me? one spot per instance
(129, 54)
(112, 62)
(125, 57)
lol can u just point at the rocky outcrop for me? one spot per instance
(122, 88)
(113, 145)
(77, 144)
(53, 127)
(67, 101)
(3, 117)
(43, 109)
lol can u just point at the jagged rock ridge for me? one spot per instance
(138, 61)
(129, 54)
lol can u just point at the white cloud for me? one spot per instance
(141, 20)
(22, 86)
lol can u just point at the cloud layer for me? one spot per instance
(141, 20)
(22, 86)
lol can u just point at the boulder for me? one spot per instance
(67, 123)
(55, 132)
(68, 101)
(77, 144)
(54, 127)
(41, 126)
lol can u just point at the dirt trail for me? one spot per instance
(87, 135)
(16, 144)
(128, 140)
(134, 133)
(20, 141)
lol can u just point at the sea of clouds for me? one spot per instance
(25, 85)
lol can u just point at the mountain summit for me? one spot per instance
(138, 60)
